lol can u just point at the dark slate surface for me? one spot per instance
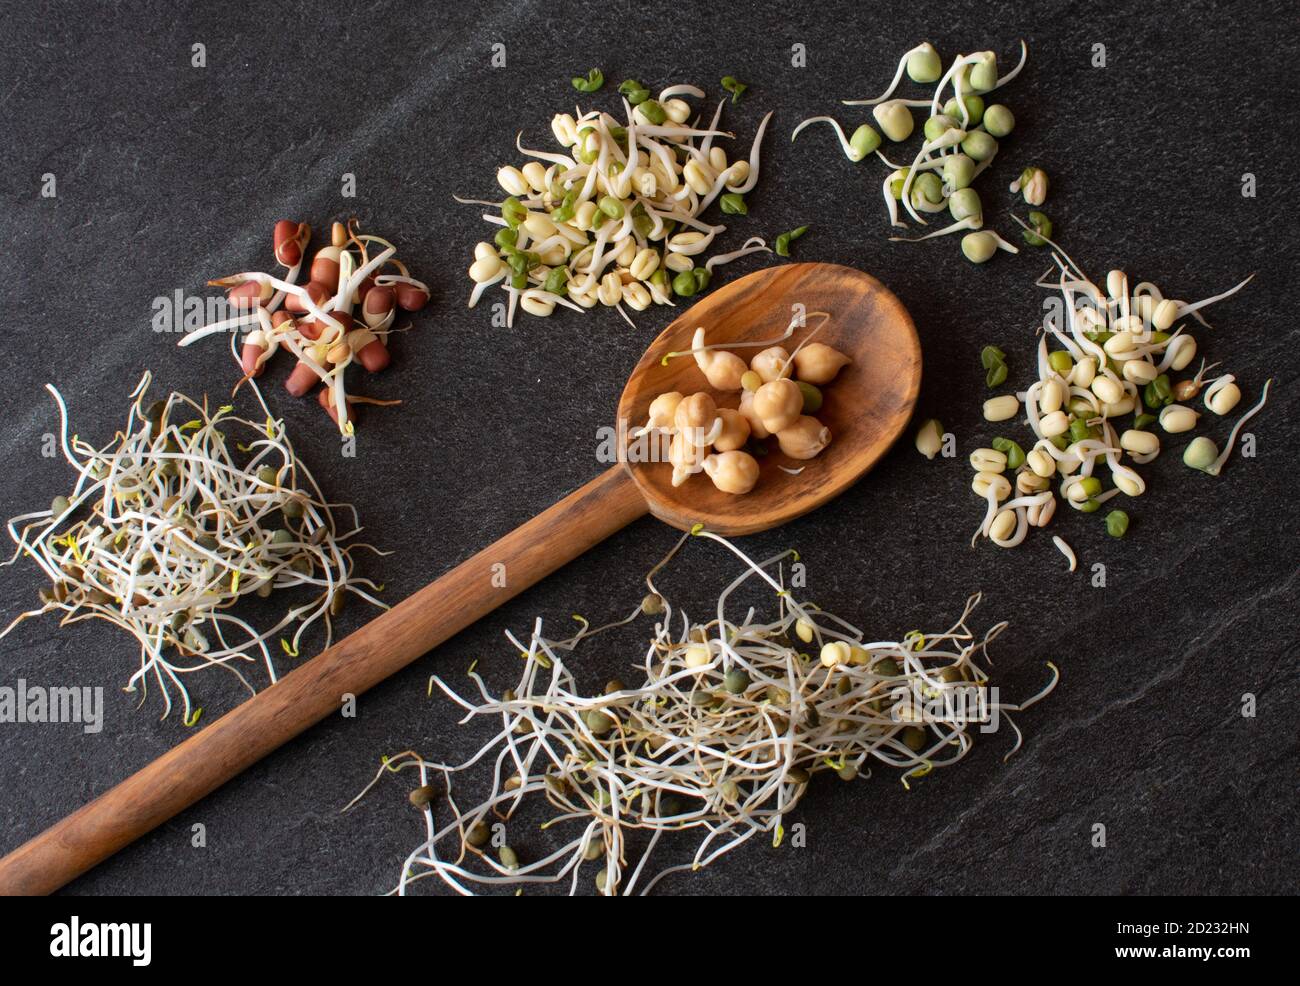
(168, 175)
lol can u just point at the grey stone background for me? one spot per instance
(168, 175)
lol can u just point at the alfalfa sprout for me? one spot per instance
(715, 746)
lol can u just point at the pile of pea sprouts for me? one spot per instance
(163, 533)
(616, 218)
(960, 142)
(324, 337)
(1119, 349)
(721, 739)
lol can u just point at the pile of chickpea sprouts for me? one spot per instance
(1119, 348)
(960, 143)
(163, 533)
(722, 737)
(615, 220)
(323, 336)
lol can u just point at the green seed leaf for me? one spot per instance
(1042, 231)
(997, 375)
(684, 284)
(1061, 362)
(991, 356)
(634, 91)
(732, 85)
(653, 112)
(785, 239)
(733, 204)
(1014, 453)
(594, 80)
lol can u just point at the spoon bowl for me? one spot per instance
(866, 406)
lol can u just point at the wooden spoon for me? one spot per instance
(866, 408)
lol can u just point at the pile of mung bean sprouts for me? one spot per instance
(616, 219)
(720, 740)
(316, 323)
(164, 532)
(1119, 349)
(960, 142)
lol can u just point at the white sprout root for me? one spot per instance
(164, 532)
(715, 746)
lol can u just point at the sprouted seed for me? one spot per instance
(615, 218)
(961, 140)
(316, 324)
(929, 438)
(1119, 346)
(779, 392)
(717, 744)
(1032, 185)
(164, 532)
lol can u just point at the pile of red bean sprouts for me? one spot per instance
(316, 324)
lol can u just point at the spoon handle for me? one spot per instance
(309, 693)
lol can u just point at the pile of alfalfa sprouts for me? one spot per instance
(164, 532)
(719, 742)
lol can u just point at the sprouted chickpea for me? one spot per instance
(163, 533)
(726, 730)
(722, 369)
(805, 438)
(316, 324)
(615, 217)
(722, 442)
(1113, 362)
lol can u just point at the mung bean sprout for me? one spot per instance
(615, 218)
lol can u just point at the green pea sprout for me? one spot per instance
(961, 139)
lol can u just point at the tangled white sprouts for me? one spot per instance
(163, 533)
(717, 744)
